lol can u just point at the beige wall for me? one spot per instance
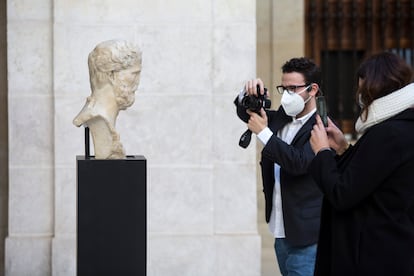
(280, 36)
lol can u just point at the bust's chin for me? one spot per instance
(124, 97)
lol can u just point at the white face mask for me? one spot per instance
(292, 103)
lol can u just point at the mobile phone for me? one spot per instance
(321, 109)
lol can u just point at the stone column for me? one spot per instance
(4, 155)
(31, 160)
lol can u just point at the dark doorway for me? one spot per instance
(338, 85)
(341, 33)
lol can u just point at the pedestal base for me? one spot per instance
(111, 212)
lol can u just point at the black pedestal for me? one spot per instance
(112, 215)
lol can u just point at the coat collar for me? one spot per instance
(386, 107)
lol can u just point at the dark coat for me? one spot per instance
(367, 224)
(301, 198)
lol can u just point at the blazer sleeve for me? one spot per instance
(294, 158)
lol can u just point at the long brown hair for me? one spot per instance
(381, 74)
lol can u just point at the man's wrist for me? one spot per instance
(242, 93)
(264, 135)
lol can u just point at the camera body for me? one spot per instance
(255, 103)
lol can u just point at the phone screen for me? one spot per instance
(321, 109)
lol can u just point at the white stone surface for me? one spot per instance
(64, 255)
(66, 195)
(28, 256)
(30, 130)
(28, 10)
(233, 198)
(204, 255)
(234, 255)
(31, 201)
(181, 201)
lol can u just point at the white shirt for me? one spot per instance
(286, 134)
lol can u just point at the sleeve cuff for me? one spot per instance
(264, 135)
(324, 149)
(242, 94)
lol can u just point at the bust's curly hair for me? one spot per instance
(109, 57)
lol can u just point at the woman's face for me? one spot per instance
(360, 81)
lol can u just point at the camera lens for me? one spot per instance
(251, 102)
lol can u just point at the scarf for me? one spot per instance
(386, 107)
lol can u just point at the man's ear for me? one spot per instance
(313, 89)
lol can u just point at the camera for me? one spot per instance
(255, 103)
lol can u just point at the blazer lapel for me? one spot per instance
(305, 129)
(282, 120)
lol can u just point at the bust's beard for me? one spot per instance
(125, 96)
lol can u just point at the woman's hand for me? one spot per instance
(319, 137)
(337, 140)
(329, 137)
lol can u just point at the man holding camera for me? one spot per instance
(293, 201)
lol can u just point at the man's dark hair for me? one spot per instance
(310, 71)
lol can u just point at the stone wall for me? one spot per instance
(201, 185)
(4, 155)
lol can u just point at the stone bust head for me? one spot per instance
(114, 72)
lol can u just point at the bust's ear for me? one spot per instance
(111, 76)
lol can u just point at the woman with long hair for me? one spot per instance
(367, 221)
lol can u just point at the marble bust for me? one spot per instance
(114, 72)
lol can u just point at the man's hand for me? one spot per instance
(257, 122)
(251, 87)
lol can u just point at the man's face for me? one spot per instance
(125, 84)
(296, 82)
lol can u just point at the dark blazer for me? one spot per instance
(367, 224)
(301, 198)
